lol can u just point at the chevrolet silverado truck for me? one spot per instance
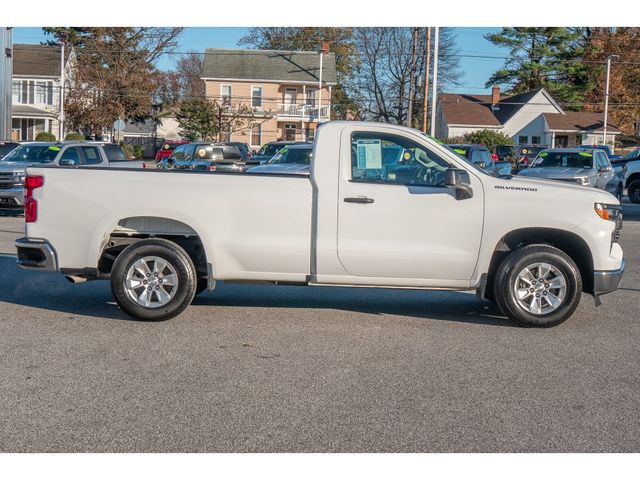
(426, 220)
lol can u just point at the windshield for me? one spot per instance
(6, 148)
(300, 156)
(633, 154)
(564, 159)
(270, 149)
(33, 154)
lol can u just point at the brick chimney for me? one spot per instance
(495, 94)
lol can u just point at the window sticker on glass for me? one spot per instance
(369, 154)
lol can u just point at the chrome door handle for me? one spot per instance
(358, 200)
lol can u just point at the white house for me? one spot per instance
(36, 89)
(528, 118)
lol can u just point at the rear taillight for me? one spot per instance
(30, 203)
(212, 168)
(494, 157)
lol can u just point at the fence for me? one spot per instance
(150, 145)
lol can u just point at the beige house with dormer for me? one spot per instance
(284, 90)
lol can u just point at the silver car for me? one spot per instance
(590, 168)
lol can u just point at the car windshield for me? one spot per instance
(270, 149)
(33, 153)
(6, 148)
(300, 156)
(564, 159)
(633, 154)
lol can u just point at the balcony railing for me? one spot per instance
(321, 112)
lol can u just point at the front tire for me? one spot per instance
(153, 279)
(633, 191)
(538, 286)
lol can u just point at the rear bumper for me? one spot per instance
(607, 281)
(12, 198)
(36, 254)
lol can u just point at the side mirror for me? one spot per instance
(604, 169)
(67, 163)
(458, 179)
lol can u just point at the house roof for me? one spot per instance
(268, 65)
(462, 109)
(139, 128)
(21, 110)
(578, 121)
(37, 60)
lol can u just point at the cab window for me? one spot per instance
(71, 154)
(91, 156)
(393, 159)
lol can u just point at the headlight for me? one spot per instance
(608, 212)
(583, 180)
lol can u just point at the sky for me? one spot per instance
(470, 42)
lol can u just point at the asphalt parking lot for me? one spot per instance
(270, 369)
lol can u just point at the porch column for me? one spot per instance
(553, 139)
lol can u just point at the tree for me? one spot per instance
(382, 79)
(624, 85)
(211, 120)
(340, 42)
(115, 76)
(542, 57)
(73, 36)
(189, 72)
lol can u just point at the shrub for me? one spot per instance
(45, 137)
(490, 138)
(138, 151)
(74, 136)
(128, 150)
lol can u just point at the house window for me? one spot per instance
(523, 139)
(255, 137)
(578, 139)
(17, 91)
(535, 140)
(309, 134)
(44, 93)
(225, 95)
(311, 96)
(29, 92)
(256, 96)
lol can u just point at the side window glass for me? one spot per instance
(393, 159)
(188, 154)
(91, 155)
(71, 154)
(178, 153)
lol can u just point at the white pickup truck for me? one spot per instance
(383, 206)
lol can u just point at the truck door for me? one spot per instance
(396, 219)
(604, 169)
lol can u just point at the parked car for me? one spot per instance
(293, 159)
(523, 155)
(167, 149)
(588, 168)
(631, 180)
(606, 149)
(245, 151)
(59, 154)
(267, 151)
(6, 148)
(504, 152)
(531, 245)
(480, 156)
(209, 156)
(621, 161)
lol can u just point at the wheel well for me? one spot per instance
(568, 242)
(131, 230)
(633, 177)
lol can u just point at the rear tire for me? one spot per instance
(153, 279)
(538, 286)
(633, 191)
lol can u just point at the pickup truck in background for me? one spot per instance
(429, 220)
(55, 154)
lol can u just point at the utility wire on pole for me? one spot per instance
(434, 85)
(425, 90)
(412, 80)
(606, 98)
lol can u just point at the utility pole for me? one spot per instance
(6, 78)
(323, 50)
(606, 98)
(412, 80)
(61, 116)
(434, 85)
(425, 90)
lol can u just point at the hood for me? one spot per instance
(17, 166)
(567, 188)
(556, 172)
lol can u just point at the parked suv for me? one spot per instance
(480, 156)
(267, 152)
(167, 149)
(576, 165)
(523, 155)
(210, 156)
(14, 165)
